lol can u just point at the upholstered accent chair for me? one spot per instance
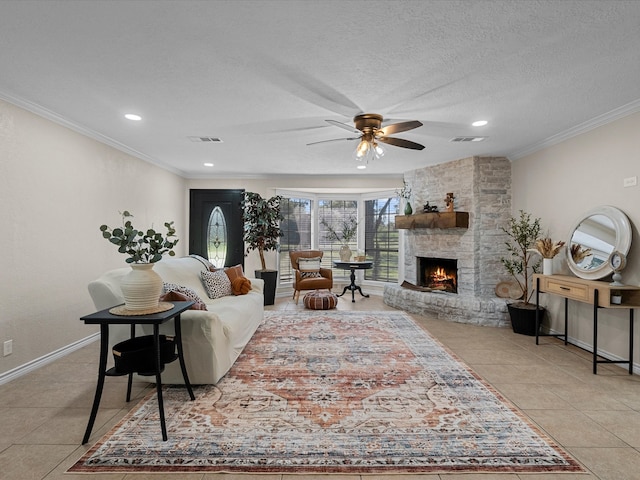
(308, 273)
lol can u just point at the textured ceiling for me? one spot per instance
(264, 75)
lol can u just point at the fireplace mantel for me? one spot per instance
(433, 220)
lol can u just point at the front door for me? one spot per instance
(216, 226)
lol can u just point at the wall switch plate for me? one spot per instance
(7, 348)
(630, 181)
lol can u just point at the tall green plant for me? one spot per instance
(523, 233)
(262, 223)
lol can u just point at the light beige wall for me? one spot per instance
(560, 183)
(56, 188)
(267, 188)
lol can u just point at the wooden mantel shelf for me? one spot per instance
(433, 220)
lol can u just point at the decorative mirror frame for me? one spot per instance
(623, 241)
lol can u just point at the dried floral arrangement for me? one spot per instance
(546, 247)
(578, 254)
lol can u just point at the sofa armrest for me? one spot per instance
(257, 284)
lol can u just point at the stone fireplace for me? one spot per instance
(482, 187)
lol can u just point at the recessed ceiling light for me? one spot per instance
(479, 123)
(133, 116)
(361, 167)
(208, 164)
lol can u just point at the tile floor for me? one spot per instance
(595, 417)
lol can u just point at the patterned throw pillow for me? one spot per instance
(309, 267)
(216, 284)
(187, 292)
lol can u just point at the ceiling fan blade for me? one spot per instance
(334, 140)
(399, 127)
(399, 142)
(346, 126)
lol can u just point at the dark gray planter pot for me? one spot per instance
(523, 318)
(270, 278)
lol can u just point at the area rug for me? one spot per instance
(333, 392)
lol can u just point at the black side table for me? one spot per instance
(353, 266)
(104, 318)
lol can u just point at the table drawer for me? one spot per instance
(573, 291)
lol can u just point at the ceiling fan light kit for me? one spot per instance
(369, 126)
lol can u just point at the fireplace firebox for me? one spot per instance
(438, 274)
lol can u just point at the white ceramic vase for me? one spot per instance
(141, 287)
(345, 253)
(547, 266)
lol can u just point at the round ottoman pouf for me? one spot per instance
(320, 300)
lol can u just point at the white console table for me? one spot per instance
(594, 292)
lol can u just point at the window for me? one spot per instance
(381, 239)
(368, 223)
(296, 230)
(338, 227)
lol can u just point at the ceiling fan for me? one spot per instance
(369, 128)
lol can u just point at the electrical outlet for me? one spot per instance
(8, 348)
(630, 181)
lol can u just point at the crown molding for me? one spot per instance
(87, 132)
(600, 120)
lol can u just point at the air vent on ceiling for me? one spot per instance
(205, 139)
(467, 139)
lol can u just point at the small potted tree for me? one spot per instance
(520, 263)
(262, 232)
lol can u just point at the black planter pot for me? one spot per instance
(270, 278)
(523, 318)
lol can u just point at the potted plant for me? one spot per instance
(348, 232)
(262, 232)
(141, 288)
(523, 231)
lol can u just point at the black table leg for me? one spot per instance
(102, 368)
(353, 287)
(156, 347)
(595, 331)
(537, 310)
(631, 341)
(130, 379)
(183, 367)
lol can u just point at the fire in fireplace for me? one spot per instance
(438, 273)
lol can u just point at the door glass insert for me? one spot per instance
(217, 238)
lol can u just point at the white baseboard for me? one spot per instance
(602, 353)
(46, 359)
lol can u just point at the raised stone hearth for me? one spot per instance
(482, 187)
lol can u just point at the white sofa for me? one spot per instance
(212, 339)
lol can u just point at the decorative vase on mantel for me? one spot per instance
(345, 253)
(141, 287)
(407, 208)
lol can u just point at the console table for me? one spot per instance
(594, 292)
(104, 318)
(353, 266)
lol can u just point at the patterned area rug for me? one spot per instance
(333, 392)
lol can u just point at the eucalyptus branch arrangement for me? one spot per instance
(347, 233)
(141, 246)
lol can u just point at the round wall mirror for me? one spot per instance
(593, 238)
